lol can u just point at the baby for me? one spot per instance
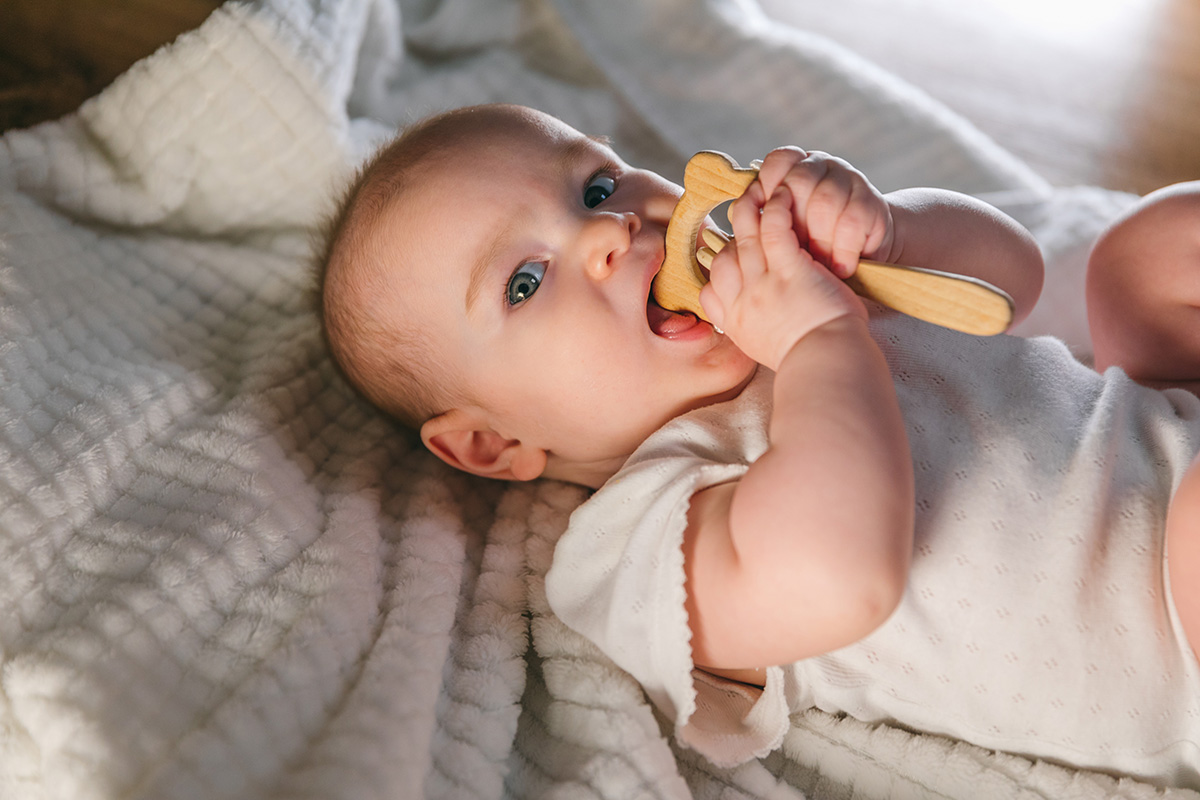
(825, 505)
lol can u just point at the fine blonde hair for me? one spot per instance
(390, 364)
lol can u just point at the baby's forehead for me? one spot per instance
(487, 165)
(507, 127)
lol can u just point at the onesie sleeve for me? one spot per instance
(617, 578)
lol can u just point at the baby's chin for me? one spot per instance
(600, 452)
(742, 370)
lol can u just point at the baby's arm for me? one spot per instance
(1143, 290)
(932, 228)
(810, 550)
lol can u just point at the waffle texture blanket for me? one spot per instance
(224, 576)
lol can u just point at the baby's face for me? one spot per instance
(528, 255)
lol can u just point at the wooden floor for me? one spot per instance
(54, 54)
(1102, 92)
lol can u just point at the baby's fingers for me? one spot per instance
(714, 309)
(775, 168)
(725, 274)
(744, 216)
(779, 242)
(862, 228)
(723, 288)
(824, 213)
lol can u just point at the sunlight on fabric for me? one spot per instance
(1067, 21)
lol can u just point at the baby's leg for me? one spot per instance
(1143, 290)
(1183, 553)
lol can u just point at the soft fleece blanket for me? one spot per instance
(223, 575)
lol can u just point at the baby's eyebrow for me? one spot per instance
(579, 150)
(480, 269)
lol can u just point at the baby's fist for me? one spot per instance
(837, 214)
(765, 291)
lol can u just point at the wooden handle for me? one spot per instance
(954, 301)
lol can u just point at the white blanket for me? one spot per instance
(224, 576)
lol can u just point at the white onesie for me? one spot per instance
(1037, 617)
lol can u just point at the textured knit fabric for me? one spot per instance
(1037, 618)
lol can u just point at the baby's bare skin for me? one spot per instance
(1143, 294)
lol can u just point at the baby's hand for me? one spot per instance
(765, 291)
(838, 216)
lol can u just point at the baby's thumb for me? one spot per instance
(714, 309)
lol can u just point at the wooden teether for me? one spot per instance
(954, 301)
(709, 179)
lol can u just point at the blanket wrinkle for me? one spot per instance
(226, 576)
(715, 62)
(117, 161)
(479, 706)
(449, 27)
(604, 733)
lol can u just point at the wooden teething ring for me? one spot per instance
(954, 301)
(710, 179)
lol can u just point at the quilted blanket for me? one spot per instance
(224, 575)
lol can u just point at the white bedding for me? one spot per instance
(226, 577)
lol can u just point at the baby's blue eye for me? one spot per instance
(598, 189)
(525, 281)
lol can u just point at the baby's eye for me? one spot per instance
(525, 281)
(598, 189)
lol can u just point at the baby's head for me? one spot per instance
(487, 281)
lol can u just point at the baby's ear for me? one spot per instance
(464, 440)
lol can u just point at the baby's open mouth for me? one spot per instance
(668, 323)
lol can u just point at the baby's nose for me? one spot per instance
(605, 240)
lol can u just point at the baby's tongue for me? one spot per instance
(668, 323)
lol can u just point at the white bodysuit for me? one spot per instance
(1037, 617)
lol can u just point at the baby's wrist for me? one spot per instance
(843, 326)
